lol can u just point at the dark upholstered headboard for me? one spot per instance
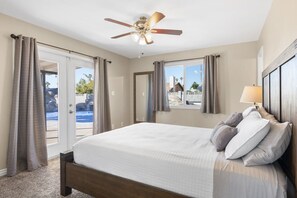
(280, 99)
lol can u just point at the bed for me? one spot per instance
(153, 162)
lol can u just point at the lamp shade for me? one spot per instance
(251, 94)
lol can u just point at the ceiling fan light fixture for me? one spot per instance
(142, 40)
(149, 37)
(135, 36)
(142, 29)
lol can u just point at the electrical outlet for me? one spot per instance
(122, 124)
(112, 126)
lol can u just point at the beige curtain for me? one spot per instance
(210, 102)
(27, 144)
(102, 121)
(160, 102)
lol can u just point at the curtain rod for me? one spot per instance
(61, 48)
(217, 56)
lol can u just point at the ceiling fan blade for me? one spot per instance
(155, 18)
(148, 41)
(121, 35)
(117, 22)
(166, 31)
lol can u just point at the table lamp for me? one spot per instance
(252, 94)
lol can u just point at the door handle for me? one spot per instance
(70, 111)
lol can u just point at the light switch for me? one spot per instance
(113, 93)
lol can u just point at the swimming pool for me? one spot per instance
(81, 116)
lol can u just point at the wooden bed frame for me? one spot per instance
(279, 98)
(101, 184)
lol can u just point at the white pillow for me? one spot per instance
(252, 114)
(251, 131)
(248, 110)
(272, 146)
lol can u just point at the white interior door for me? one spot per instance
(68, 99)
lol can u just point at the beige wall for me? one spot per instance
(118, 72)
(280, 29)
(237, 68)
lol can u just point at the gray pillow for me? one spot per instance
(215, 129)
(271, 147)
(222, 136)
(234, 119)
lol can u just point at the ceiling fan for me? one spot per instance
(143, 28)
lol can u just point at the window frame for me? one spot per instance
(185, 64)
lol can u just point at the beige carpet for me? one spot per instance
(44, 182)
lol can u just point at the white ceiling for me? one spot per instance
(205, 23)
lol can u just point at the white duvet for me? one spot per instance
(176, 158)
(179, 159)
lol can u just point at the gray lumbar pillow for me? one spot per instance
(222, 136)
(271, 147)
(234, 119)
(215, 129)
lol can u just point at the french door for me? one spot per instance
(68, 99)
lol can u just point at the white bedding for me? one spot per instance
(179, 159)
(176, 158)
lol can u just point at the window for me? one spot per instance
(184, 83)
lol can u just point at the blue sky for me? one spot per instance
(193, 74)
(79, 73)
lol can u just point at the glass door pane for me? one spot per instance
(50, 84)
(84, 86)
(53, 75)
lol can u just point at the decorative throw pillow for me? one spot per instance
(248, 110)
(234, 119)
(253, 114)
(222, 136)
(250, 132)
(264, 114)
(215, 129)
(271, 147)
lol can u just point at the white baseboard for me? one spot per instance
(53, 157)
(3, 172)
